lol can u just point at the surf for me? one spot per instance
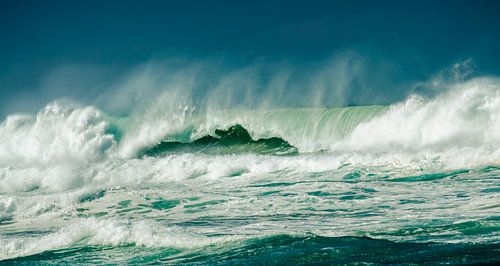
(75, 179)
(463, 121)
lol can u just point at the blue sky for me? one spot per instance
(415, 38)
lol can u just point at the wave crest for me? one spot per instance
(58, 133)
(464, 120)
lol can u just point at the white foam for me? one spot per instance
(7, 208)
(106, 232)
(463, 122)
(59, 133)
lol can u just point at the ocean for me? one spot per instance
(414, 182)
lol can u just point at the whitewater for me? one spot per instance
(416, 181)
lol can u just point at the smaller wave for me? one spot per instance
(346, 250)
(235, 139)
(108, 232)
(271, 250)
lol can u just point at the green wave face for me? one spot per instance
(275, 131)
(308, 129)
(235, 139)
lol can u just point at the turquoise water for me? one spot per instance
(416, 182)
(283, 217)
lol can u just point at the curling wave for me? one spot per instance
(464, 120)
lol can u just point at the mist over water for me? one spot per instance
(416, 174)
(347, 78)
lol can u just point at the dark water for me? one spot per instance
(281, 250)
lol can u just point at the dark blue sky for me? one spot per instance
(417, 38)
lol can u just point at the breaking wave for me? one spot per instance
(464, 119)
(187, 185)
